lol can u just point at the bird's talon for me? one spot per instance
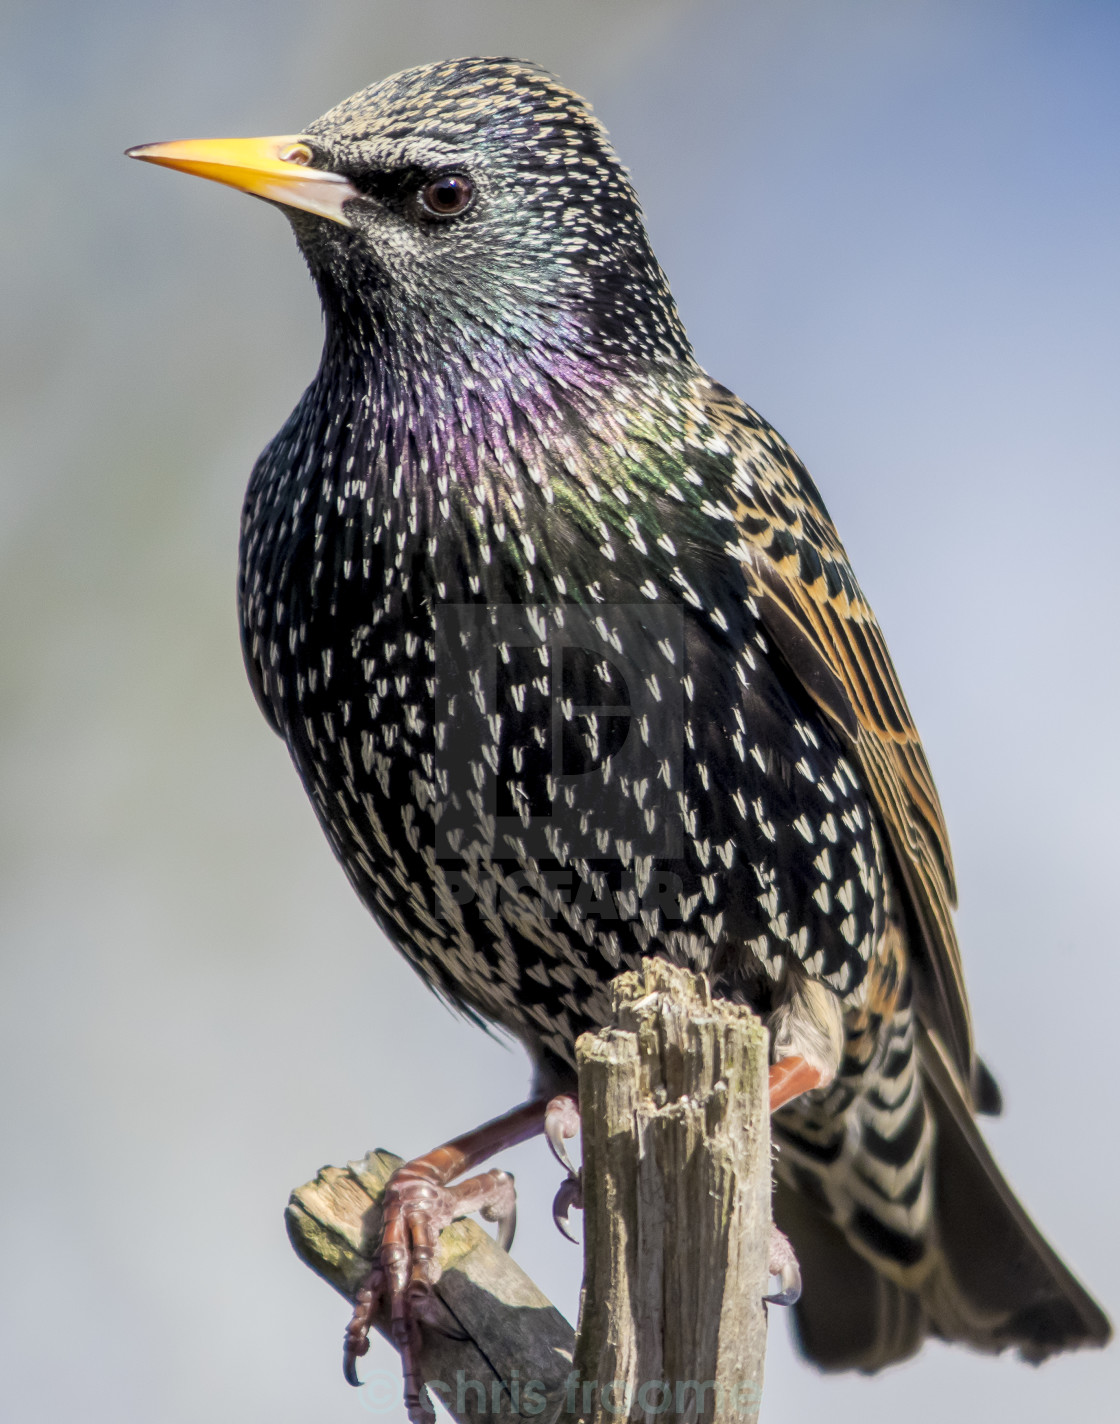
(790, 1293)
(561, 1120)
(353, 1350)
(501, 1207)
(356, 1341)
(568, 1195)
(783, 1265)
(507, 1228)
(416, 1209)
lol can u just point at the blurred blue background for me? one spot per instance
(893, 227)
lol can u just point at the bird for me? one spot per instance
(575, 669)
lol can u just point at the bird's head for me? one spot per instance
(461, 207)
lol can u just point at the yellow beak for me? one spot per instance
(272, 168)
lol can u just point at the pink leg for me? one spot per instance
(789, 1078)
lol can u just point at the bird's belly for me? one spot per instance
(526, 810)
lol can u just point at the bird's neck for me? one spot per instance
(428, 473)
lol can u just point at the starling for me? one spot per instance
(574, 668)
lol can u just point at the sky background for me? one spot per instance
(893, 227)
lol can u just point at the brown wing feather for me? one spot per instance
(823, 626)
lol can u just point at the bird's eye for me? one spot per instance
(448, 196)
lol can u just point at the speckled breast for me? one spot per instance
(530, 796)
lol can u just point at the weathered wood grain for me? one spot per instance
(676, 1151)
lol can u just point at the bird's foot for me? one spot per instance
(416, 1209)
(569, 1194)
(418, 1203)
(783, 1265)
(561, 1121)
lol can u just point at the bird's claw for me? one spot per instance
(416, 1208)
(356, 1341)
(561, 1120)
(568, 1195)
(502, 1209)
(783, 1265)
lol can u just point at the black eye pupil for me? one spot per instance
(447, 196)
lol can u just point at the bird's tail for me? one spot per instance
(993, 1283)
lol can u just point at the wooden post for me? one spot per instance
(676, 1151)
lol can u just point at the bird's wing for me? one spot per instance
(816, 614)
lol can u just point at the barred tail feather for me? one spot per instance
(994, 1282)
